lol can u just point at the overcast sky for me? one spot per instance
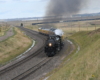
(35, 8)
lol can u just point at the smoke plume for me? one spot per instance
(59, 32)
(64, 7)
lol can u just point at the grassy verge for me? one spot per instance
(14, 46)
(84, 65)
(3, 30)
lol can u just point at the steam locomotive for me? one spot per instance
(54, 42)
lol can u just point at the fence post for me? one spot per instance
(79, 26)
(87, 27)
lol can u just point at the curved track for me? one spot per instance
(32, 70)
(35, 64)
(27, 57)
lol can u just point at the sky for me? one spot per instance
(93, 6)
(36, 8)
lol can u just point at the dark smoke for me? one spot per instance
(61, 9)
(64, 7)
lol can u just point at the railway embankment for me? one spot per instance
(14, 43)
(84, 64)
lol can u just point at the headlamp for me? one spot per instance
(50, 44)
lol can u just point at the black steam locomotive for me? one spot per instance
(54, 42)
(53, 45)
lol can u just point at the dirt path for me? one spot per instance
(7, 35)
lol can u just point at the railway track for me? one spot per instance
(35, 65)
(32, 70)
(32, 55)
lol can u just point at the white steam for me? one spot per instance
(59, 32)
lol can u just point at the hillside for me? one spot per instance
(84, 65)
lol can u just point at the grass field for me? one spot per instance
(3, 28)
(14, 46)
(84, 65)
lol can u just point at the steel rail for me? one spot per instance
(32, 70)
